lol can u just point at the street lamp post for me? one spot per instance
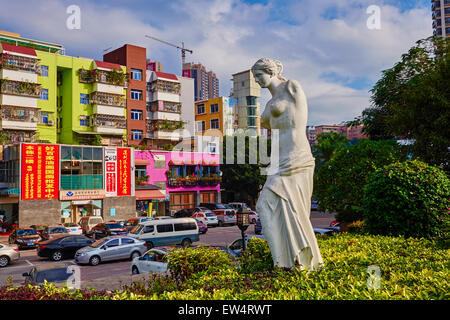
(243, 223)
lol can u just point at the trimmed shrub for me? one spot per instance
(257, 257)
(409, 198)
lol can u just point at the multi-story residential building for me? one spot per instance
(54, 98)
(247, 92)
(351, 133)
(441, 17)
(164, 121)
(216, 114)
(135, 60)
(183, 180)
(206, 83)
(155, 66)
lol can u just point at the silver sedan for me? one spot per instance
(111, 248)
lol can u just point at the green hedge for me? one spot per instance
(410, 269)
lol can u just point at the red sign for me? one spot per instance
(40, 171)
(187, 73)
(123, 172)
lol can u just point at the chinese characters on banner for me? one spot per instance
(111, 172)
(40, 172)
(123, 172)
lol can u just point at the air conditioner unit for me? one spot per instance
(50, 122)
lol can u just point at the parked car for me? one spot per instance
(258, 226)
(56, 274)
(73, 228)
(87, 223)
(61, 247)
(202, 228)
(252, 217)
(184, 213)
(133, 222)
(111, 248)
(167, 232)
(107, 229)
(207, 217)
(235, 248)
(225, 214)
(8, 254)
(24, 238)
(162, 217)
(52, 232)
(151, 261)
(325, 231)
(39, 228)
(122, 222)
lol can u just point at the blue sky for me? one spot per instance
(324, 44)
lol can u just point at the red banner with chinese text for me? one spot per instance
(123, 172)
(40, 172)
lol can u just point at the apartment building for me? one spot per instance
(441, 18)
(134, 58)
(246, 91)
(49, 97)
(351, 133)
(206, 83)
(216, 114)
(163, 110)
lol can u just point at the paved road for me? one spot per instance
(94, 275)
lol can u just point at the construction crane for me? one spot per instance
(182, 48)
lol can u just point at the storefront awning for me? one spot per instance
(210, 162)
(142, 162)
(149, 194)
(187, 162)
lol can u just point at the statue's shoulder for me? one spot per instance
(294, 88)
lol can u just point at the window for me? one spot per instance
(84, 98)
(44, 71)
(113, 243)
(185, 226)
(136, 94)
(136, 134)
(201, 126)
(84, 121)
(136, 74)
(251, 122)
(127, 241)
(164, 228)
(141, 171)
(201, 108)
(243, 83)
(251, 100)
(212, 147)
(136, 115)
(215, 124)
(148, 229)
(214, 108)
(43, 117)
(44, 94)
(251, 111)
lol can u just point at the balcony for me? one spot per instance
(14, 118)
(192, 181)
(18, 63)
(109, 125)
(166, 125)
(108, 99)
(164, 135)
(107, 110)
(18, 75)
(165, 107)
(113, 78)
(161, 115)
(25, 89)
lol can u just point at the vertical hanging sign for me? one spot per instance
(111, 172)
(40, 172)
(123, 171)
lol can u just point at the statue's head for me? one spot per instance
(267, 67)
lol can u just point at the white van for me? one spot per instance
(167, 232)
(87, 223)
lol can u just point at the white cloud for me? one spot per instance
(228, 36)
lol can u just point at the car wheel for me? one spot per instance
(134, 255)
(134, 270)
(186, 243)
(4, 261)
(95, 260)
(56, 256)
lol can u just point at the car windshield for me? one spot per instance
(27, 232)
(221, 206)
(113, 226)
(52, 275)
(210, 214)
(137, 229)
(145, 219)
(57, 230)
(70, 225)
(99, 243)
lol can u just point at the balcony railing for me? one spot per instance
(101, 76)
(11, 62)
(193, 181)
(167, 107)
(164, 125)
(108, 99)
(20, 88)
(12, 113)
(165, 86)
(109, 121)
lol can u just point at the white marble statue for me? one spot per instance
(285, 202)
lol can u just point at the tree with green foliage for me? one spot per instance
(327, 145)
(412, 101)
(409, 198)
(339, 183)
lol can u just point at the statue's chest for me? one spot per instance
(281, 112)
